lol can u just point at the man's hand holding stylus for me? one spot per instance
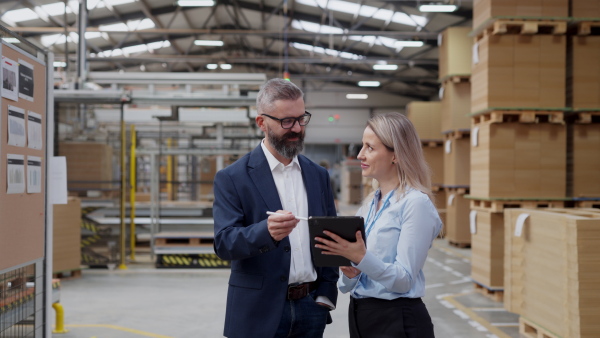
(281, 224)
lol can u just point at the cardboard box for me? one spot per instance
(66, 241)
(427, 119)
(457, 217)
(585, 74)
(552, 271)
(585, 9)
(586, 160)
(487, 249)
(487, 9)
(457, 162)
(518, 160)
(455, 52)
(434, 156)
(91, 162)
(456, 105)
(519, 71)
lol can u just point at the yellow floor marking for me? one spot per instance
(119, 328)
(499, 333)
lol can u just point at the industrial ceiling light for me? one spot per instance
(385, 67)
(357, 96)
(368, 83)
(217, 43)
(195, 3)
(438, 8)
(409, 43)
(212, 66)
(225, 66)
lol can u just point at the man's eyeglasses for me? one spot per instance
(288, 122)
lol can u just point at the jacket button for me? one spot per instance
(287, 249)
(283, 278)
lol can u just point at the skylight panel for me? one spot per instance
(131, 25)
(19, 15)
(57, 8)
(368, 39)
(327, 51)
(134, 49)
(118, 2)
(115, 27)
(139, 25)
(367, 11)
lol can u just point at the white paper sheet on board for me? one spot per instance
(34, 174)
(34, 130)
(15, 174)
(16, 126)
(10, 79)
(57, 180)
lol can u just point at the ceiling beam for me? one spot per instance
(212, 31)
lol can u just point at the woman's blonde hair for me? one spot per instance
(398, 134)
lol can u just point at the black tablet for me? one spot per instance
(343, 226)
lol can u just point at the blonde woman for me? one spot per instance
(386, 281)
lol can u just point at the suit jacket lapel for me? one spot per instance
(260, 173)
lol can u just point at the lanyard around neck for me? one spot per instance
(371, 224)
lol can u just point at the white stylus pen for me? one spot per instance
(297, 217)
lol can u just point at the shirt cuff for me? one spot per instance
(326, 301)
(371, 265)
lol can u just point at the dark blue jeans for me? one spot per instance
(302, 318)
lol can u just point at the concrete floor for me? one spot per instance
(143, 301)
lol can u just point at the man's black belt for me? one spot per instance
(299, 291)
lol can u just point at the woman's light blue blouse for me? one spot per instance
(398, 238)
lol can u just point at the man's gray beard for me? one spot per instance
(284, 147)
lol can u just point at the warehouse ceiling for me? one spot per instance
(319, 42)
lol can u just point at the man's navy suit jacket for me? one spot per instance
(244, 192)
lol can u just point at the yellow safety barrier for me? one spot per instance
(60, 318)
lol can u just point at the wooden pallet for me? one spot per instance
(496, 295)
(432, 143)
(525, 27)
(500, 205)
(69, 274)
(587, 117)
(521, 116)
(531, 330)
(585, 27)
(587, 204)
(175, 239)
(457, 189)
(457, 134)
(456, 78)
(460, 245)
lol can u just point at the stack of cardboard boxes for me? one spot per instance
(518, 135)
(455, 95)
(535, 140)
(427, 119)
(66, 239)
(89, 166)
(552, 271)
(351, 182)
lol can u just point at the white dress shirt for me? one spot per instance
(292, 193)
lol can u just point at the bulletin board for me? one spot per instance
(22, 136)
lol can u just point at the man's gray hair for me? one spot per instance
(276, 90)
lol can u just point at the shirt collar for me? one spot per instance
(273, 162)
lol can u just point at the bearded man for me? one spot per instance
(274, 288)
